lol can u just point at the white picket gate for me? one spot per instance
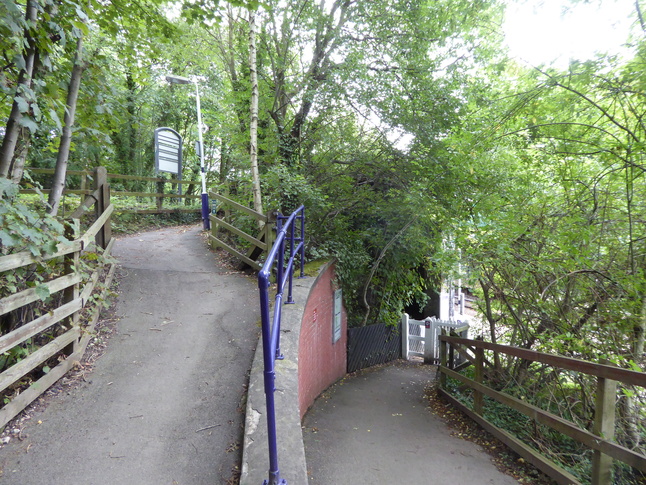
(420, 337)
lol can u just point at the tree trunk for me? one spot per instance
(331, 20)
(130, 150)
(12, 130)
(491, 320)
(225, 161)
(253, 126)
(20, 154)
(21, 150)
(58, 182)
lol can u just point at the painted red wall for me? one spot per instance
(320, 362)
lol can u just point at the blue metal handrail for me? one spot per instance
(286, 232)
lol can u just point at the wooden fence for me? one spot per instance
(600, 441)
(58, 338)
(159, 196)
(373, 345)
(222, 228)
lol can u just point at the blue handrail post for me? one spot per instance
(281, 249)
(271, 329)
(269, 380)
(290, 300)
(303, 241)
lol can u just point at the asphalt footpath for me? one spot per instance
(374, 427)
(165, 404)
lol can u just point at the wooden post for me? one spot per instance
(107, 227)
(215, 228)
(214, 217)
(478, 398)
(227, 209)
(404, 334)
(83, 181)
(604, 426)
(451, 361)
(158, 199)
(270, 224)
(102, 237)
(443, 359)
(71, 264)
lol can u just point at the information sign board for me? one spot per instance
(168, 151)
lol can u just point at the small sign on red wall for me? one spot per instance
(336, 324)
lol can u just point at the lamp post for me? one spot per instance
(205, 197)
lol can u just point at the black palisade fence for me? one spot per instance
(373, 345)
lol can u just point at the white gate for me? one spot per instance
(420, 337)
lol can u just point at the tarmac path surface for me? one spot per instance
(165, 404)
(374, 427)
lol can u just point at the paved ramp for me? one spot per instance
(164, 405)
(374, 428)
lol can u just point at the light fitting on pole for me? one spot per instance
(205, 198)
(178, 80)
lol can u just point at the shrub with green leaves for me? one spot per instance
(22, 228)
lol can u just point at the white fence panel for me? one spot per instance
(420, 337)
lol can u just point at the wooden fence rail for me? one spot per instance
(159, 196)
(259, 243)
(600, 440)
(67, 344)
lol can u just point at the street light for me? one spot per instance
(205, 197)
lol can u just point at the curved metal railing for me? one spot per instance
(290, 243)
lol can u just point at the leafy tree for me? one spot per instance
(554, 239)
(45, 30)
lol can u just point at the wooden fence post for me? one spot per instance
(227, 209)
(159, 200)
(84, 182)
(71, 293)
(443, 359)
(214, 227)
(604, 426)
(213, 218)
(478, 398)
(104, 235)
(270, 225)
(451, 358)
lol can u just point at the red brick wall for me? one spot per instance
(320, 362)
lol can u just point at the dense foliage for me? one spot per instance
(399, 124)
(339, 83)
(411, 138)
